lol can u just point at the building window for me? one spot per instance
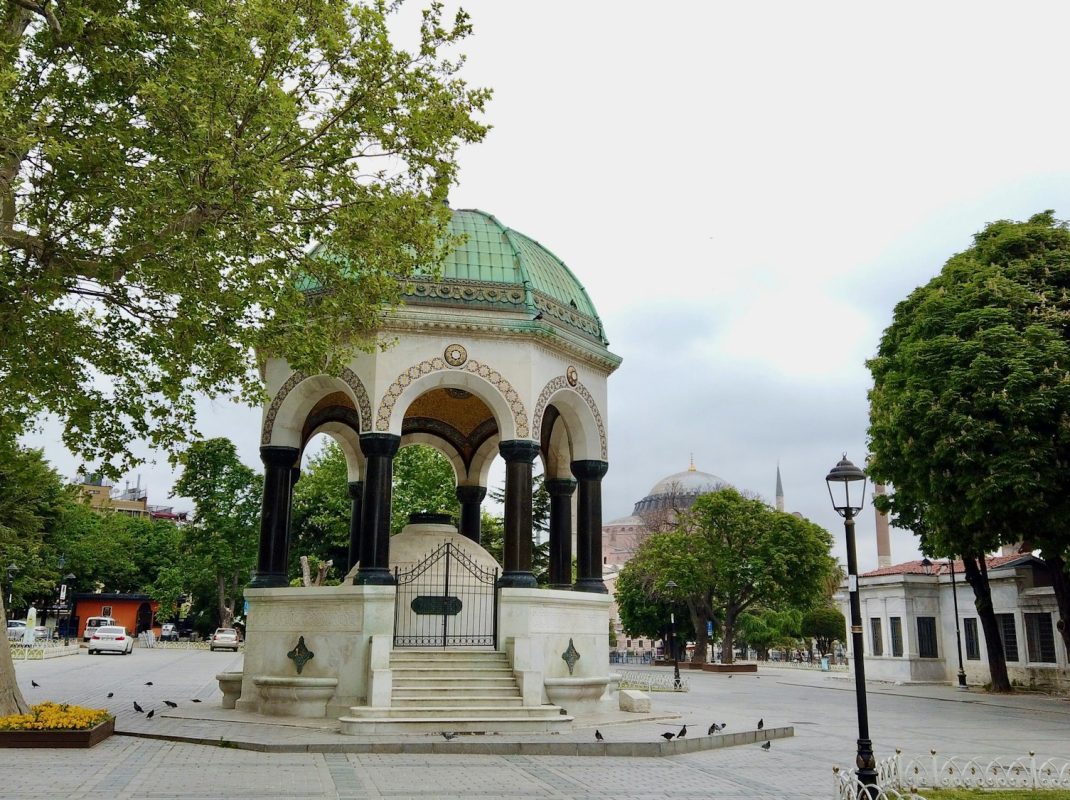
(927, 637)
(896, 625)
(1009, 636)
(1040, 638)
(973, 644)
(875, 630)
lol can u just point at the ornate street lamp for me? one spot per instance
(67, 580)
(676, 684)
(847, 490)
(927, 566)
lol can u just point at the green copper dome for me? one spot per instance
(499, 268)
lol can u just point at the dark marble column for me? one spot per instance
(589, 525)
(518, 455)
(379, 450)
(560, 491)
(356, 495)
(470, 497)
(274, 549)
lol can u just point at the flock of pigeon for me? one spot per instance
(137, 706)
(668, 736)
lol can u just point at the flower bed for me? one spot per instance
(56, 725)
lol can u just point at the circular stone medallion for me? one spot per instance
(572, 376)
(455, 355)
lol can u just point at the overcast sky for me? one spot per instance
(746, 190)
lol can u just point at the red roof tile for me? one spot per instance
(939, 567)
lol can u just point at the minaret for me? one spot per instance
(691, 468)
(884, 541)
(779, 490)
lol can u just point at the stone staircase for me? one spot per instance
(466, 691)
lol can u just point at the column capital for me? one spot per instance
(560, 487)
(471, 493)
(279, 456)
(379, 444)
(519, 450)
(590, 470)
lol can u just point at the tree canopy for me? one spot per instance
(970, 407)
(730, 553)
(166, 170)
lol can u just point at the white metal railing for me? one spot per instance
(1023, 772)
(652, 681)
(36, 651)
(901, 773)
(847, 787)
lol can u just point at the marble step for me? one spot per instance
(503, 689)
(457, 713)
(455, 700)
(449, 684)
(447, 655)
(422, 673)
(372, 726)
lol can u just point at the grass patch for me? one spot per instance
(994, 794)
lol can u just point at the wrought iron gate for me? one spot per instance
(447, 600)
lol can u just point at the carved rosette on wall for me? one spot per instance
(347, 375)
(571, 656)
(300, 655)
(572, 376)
(563, 382)
(492, 376)
(455, 355)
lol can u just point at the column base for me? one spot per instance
(518, 579)
(373, 576)
(268, 580)
(594, 585)
(565, 587)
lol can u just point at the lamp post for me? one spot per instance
(927, 566)
(11, 570)
(66, 590)
(842, 476)
(676, 684)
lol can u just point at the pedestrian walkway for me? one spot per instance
(819, 708)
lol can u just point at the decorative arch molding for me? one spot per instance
(563, 383)
(347, 375)
(438, 364)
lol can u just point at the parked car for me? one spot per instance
(168, 632)
(93, 623)
(16, 629)
(111, 639)
(224, 639)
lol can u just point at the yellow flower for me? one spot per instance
(54, 716)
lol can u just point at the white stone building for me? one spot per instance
(909, 621)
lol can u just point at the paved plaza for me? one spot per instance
(820, 707)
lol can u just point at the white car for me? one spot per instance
(224, 639)
(111, 639)
(16, 629)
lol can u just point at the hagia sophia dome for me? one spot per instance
(678, 491)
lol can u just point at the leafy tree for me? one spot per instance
(732, 553)
(767, 629)
(424, 481)
(319, 519)
(164, 171)
(644, 613)
(969, 406)
(825, 625)
(29, 500)
(220, 542)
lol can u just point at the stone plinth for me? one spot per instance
(230, 686)
(294, 696)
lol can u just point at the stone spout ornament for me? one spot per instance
(300, 655)
(571, 656)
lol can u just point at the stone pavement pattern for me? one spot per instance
(820, 707)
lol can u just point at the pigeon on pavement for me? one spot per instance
(767, 745)
(138, 708)
(149, 715)
(761, 723)
(447, 735)
(169, 704)
(598, 735)
(667, 736)
(111, 695)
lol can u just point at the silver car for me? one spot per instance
(111, 639)
(224, 639)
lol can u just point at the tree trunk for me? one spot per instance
(1060, 580)
(11, 699)
(977, 576)
(226, 610)
(728, 643)
(699, 615)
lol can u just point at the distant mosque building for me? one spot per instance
(656, 511)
